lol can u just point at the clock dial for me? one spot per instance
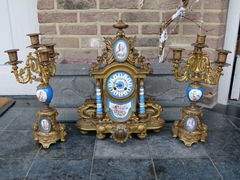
(120, 84)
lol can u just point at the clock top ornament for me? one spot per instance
(120, 49)
(120, 107)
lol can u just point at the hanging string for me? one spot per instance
(179, 13)
(141, 4)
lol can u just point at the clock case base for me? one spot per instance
(120, 131)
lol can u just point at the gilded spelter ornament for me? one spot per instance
(46, 130)
(197, 69)
(120, 107)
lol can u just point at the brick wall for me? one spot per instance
(78, 26)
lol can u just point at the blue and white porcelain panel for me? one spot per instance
(194, 94)
(120, 111)
(44, 95)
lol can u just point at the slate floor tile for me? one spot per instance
(235, 121)
(163, 145)
(227, 110)
(223, 143)
(18, 144)
(55, 169)
(216, 121)
(7, 118)
(133, 148)
(14, 168)
(228, 167)
(122, 169)
(158, 156)
(76, 146)
(185, 169)
(27, 102)
(24, 120)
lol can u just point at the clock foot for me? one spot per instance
(157, 130)
(101, 135)
(142, 135)
(83, 132)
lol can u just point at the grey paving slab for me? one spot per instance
(158, 156)
(27, 102)
(163, 145)
(76, 146)
(223, 143)
(234, 121)
(233, 111)
(133, 148)
(216, 121)
(228, 167)
(70, 169)
(7, 118)
(185, 169)
(24, 120)
(18, 144)
(14, 168)
(122, 169)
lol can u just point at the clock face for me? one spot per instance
(120, 85)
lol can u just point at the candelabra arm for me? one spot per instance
(52, 67)
(182, 73)
(24, 75)
(212, 76)
(33, 63)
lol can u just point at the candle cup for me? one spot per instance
(222, 55)
(50, 46)
(201, 39)
(44, 55)
(177, 53)
(34, 38)
(12, 53)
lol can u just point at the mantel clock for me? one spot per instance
(120, 107)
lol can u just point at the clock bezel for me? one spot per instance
(124, 96)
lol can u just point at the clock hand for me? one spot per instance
(119, 85)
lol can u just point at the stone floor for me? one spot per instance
(159, 156)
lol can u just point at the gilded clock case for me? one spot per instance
(96, 114)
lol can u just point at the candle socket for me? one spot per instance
(12, 53)
(50, 46)
(34, 38)
(44, 55)
(200, 39)
(177, 53)
(222, 55)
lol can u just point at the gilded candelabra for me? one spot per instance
(46, 130)
(197, 69)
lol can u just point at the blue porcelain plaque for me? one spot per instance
(44, 95)
(45, 125)
(194, 94)
(190, 123)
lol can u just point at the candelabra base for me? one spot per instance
(190, 130)
(46, 130)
